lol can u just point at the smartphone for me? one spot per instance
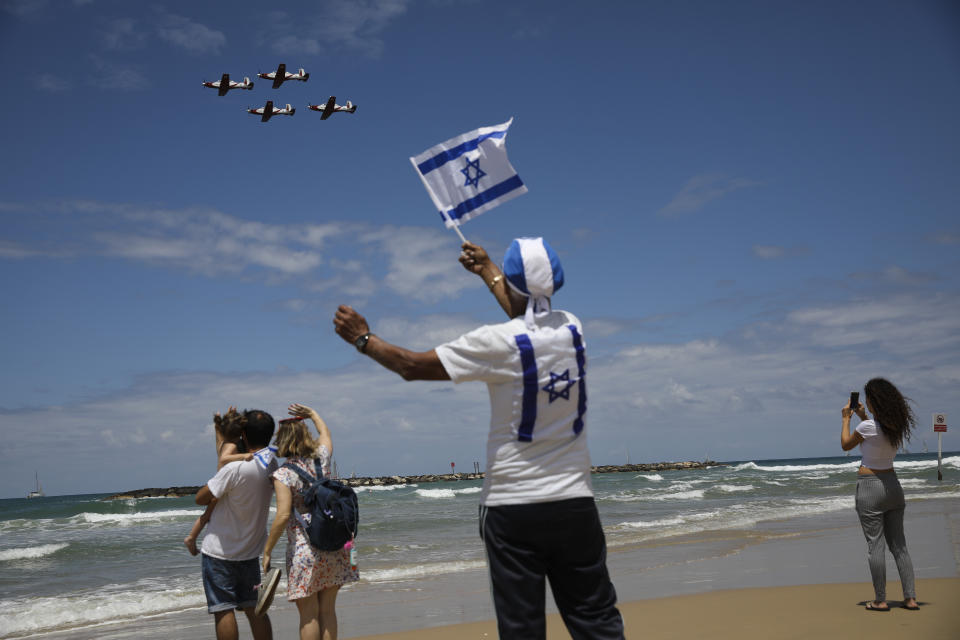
(854, 400)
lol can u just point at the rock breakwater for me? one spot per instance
(176, 492)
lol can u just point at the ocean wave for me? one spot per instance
(952, 461)
(695, 494)
(446, 493)
(384, 487)
(31, 552)
(127, 519)
(22, 616)
(672, 521)
(843, 467)
(734, 488)
(834, 468)
(655, 477)
(935, 496)
(742, 516)
(420, 570)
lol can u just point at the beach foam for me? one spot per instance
(741, 516)
(30, 552)
(420, 571)
(447, 493)
(23, 616)
(127, 519)
(734, 488)
(384, 487)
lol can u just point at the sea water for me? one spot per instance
(76, 562)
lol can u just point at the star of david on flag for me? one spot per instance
(469, 174)
(551, 387)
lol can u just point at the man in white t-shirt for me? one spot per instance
(538, 518)
(237, 531)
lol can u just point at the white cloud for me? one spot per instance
(770, 388)
(110, 75)
(52, 83)
(901, 324)
(122, 34)
(703, 189)
(190, 36)
(351, 25)
(23, 8)
(773, 252)
(946, 238)
(414, 262)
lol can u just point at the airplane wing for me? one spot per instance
(329, 107)
(281, 75)
(267, 111)
(224, 85)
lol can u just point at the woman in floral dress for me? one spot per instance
(313, 576)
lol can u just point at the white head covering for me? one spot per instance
(532, 269)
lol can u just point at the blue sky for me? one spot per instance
(755, 204)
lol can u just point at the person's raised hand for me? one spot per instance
(473, 257)
(298, 410)
(349, 324)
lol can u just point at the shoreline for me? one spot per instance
(798, 577)
(380, 481)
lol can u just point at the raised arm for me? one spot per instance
(849, 440)
(411, 365)
(474, 259)
(323, 432)
(229, 453)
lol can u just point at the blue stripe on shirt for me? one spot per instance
(528, 361)
(581, 375)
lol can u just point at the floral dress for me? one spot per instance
(309, 569)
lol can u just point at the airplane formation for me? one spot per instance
(278, 77)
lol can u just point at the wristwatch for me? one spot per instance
(361, 342)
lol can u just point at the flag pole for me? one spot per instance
(456, 227)
(436, 201)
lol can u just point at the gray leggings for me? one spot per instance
(880, 506)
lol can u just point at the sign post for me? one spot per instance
(940, 428)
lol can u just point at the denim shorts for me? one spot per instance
(230, 584)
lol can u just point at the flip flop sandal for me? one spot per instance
(266, 591)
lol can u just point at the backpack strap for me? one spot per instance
(307, 481)
(304, 476)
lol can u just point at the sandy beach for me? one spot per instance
(802, 612)
(792, 578)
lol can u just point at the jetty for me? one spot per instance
(178, 492)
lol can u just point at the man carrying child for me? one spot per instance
(238, 530)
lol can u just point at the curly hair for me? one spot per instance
(230, 427)
(294, 440)
(891, 410)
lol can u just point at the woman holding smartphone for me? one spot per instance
(880, 501)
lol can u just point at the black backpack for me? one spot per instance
(333, 508)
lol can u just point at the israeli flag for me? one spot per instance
(469, 174)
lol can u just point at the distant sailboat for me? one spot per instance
(925, 446)
(38, 492)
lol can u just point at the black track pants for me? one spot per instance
(558, 541)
